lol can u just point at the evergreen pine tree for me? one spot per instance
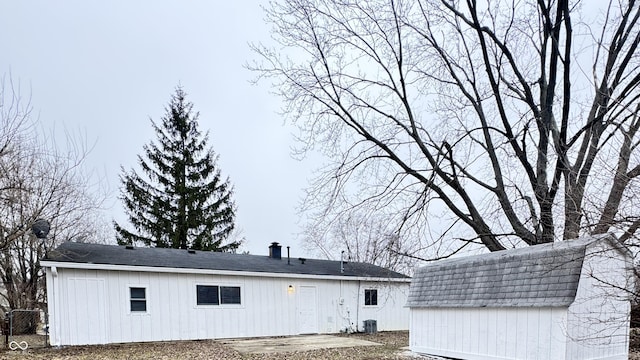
(182, 201)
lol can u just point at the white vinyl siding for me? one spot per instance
(489, 333)
(267, 307)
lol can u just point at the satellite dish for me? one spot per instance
(40, 228)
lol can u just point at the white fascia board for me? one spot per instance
(86, 266)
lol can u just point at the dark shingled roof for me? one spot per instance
(71, 252)
(536, 276)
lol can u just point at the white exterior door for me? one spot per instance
(86, 312)
(307, 310)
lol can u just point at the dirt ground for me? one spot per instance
(392, 342)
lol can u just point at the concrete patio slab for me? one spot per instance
(293, 343)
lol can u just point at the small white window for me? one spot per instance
(371, 297)
(138, 299)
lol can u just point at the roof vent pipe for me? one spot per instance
(275, 251)
(342, 262)
(288, 257)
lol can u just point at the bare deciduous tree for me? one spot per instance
(38, 180)
(500, 123)
(363, 239)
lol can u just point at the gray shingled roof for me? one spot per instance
(536, 276)
(71, 252)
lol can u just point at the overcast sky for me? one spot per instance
(103, 68)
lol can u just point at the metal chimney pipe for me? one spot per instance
(275, 251)
(288, 257)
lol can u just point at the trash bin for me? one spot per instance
(370, 326)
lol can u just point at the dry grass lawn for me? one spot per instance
(212, 349)
(392, 341)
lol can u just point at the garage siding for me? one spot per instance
(489, 333)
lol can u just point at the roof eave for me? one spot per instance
(474, 306)
(111, 267)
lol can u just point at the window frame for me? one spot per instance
(373, 301)
(230, 303)
(131, 299)
(198, 303)
(220, 304)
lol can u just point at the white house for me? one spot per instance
(564, 300)
(100, 294)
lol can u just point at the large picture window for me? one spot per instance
(218, 295)
(138, 299)
(371, 297)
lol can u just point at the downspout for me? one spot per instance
(339, 311)
(358, 307)
(56, 306)
(340, 307)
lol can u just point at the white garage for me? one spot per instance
(100, 294)
(564, 300)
